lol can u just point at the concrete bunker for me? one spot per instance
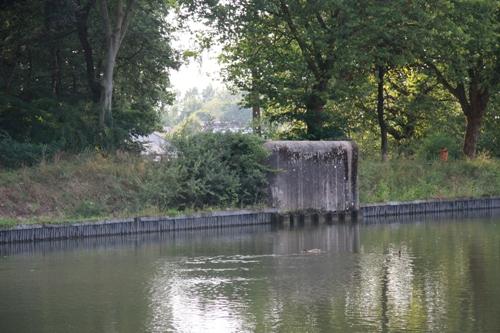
(313, 176)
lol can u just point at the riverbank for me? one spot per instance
(211, 171)
(95, 187)
(411, 179)
(241, 218)
(83, 187)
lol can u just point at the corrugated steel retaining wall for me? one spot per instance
(225, 219)
(134, 226)
(428, 206)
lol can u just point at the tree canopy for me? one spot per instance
(55, 70)
(306, 58)
(76, 74)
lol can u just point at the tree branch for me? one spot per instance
(133, 55)
(322, 23)
(119, 16)
(442, 79)
(126, 19)
(306, 52)
(105, 16)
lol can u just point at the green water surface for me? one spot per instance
(424, 276)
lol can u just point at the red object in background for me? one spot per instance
(443, 154)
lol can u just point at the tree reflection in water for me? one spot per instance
(375, 278)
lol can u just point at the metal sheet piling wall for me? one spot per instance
(428, 206)
(134, 226)
(215, 220)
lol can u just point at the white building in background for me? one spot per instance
(154, 144)
(218, 126)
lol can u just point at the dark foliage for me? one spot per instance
(210, 169)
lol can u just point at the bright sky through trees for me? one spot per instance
(195, 72)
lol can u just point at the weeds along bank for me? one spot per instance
(208, 171)
(409, 179)
(80, 186)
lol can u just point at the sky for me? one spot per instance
(197, 73)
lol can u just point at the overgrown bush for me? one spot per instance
(72, 125)
(429, 147)
(489, 141)
(14, 154)
(210, 169)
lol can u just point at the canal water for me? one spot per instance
(424, 275)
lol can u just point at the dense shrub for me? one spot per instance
(430, 147)
(14, 154)
(72, 126)
(489, 141)
(210, 169)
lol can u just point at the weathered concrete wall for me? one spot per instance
(313, 175)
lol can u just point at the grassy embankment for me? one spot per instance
(90, 187)
(404, 180)
(83, 187)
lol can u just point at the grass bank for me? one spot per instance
(92, 186)
(210, 171)
(404, 180)
(82, 187)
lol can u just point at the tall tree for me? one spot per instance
(52, 63)
(294, 43)
(82, 16)
(383, 40)
(412, 103)
(462, 51)
(115, 33)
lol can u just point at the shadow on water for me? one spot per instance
(348, 233)
(134, 240)
(345, 238)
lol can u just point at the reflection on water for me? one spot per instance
(425, 276)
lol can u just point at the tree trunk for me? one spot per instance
(474, 110)
(472, 131)
(380, 113)
(74, 80)
(315, 106)
(105, 115)
(82, 26)
(473, 102)
(256, 117)
(56, 72)
(30, 71)
(114, 37)
(255, 101)
(54, 51)
(313, 119)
